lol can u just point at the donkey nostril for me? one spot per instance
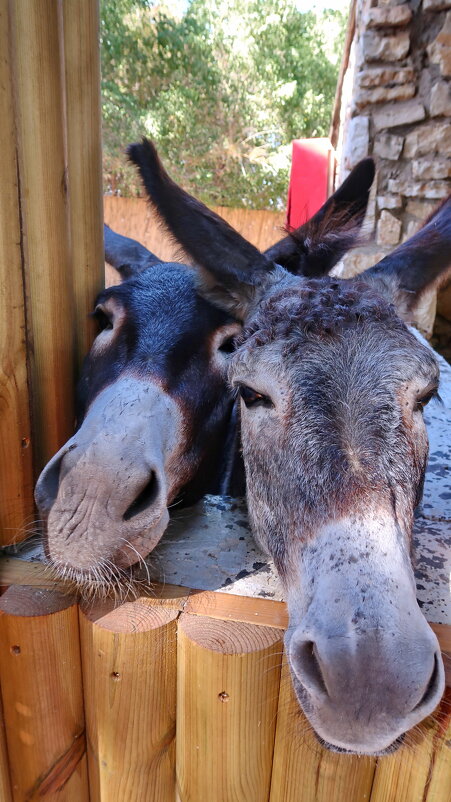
(431, 687)
(310, 667)
(145, 499)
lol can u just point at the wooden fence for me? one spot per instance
(181, 697)
(51, 260)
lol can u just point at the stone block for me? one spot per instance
(394, 114)
(427, 139)
(440, 49)
(379, 76)
(389, 202)
(433, 190)
(377, 47)
(384, 94)
(411, 229)
(441, 100)
(436, 5)
(389, 16)
(358, 260)
(434, 167)
(388, 229)
(388, 146)
(420, 209)
(357, 141)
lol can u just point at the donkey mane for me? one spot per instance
(322, 306)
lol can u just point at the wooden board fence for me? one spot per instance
(51, 254)
(184, 699)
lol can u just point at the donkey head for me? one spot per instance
(332, 385)
(153, 411)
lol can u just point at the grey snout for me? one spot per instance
(362, 690)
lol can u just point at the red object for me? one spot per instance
(311, 178)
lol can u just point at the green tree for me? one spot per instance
(223, 88)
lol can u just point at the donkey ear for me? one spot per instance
(232, 268)
(315, 247)
(420, 264)
(126, 255)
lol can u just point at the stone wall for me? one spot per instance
(396, 106)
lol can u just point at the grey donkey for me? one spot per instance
(333, 384)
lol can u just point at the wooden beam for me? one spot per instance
(16, 475)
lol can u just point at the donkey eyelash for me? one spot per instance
(432, 395)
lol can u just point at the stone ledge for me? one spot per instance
(384, 94)
(385, 48)
(389, 17)
(390, 116)
(379, 76)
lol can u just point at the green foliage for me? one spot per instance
(222, 87)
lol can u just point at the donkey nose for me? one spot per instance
(342, 670)
(46, 489)
(145, 497)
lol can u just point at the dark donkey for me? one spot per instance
(333, 385)
(155, 420)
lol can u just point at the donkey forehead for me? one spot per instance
(162, 306)
(320, 325)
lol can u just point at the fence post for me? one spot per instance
(16, 485)
(227, 690)
(129, 679)
(40, 673)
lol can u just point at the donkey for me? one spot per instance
(332, 385)
(155, 414)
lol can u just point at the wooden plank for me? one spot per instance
(16, 477)
(420, 771)
(264, 612)
(41, 686)
(5, 784)
(129, 678)
(84, 156)
(227, 687)
(301, 763)
(43, 196)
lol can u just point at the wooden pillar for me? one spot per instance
(129, 678)
(5, 785)
(40, 675)
(301, 763)
(16, 479)
(84, 157)
(228, 683)
(38, 90)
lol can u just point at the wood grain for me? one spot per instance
(301, 763)
(420, 771)
(264, 612)
(129, 677)
(5, 785)
(227, 687)
(40, 675)
(35, 45)
(84, 156)
(16, 478)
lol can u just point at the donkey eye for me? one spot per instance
(252, 399)
(421, 402)
(104, 321)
